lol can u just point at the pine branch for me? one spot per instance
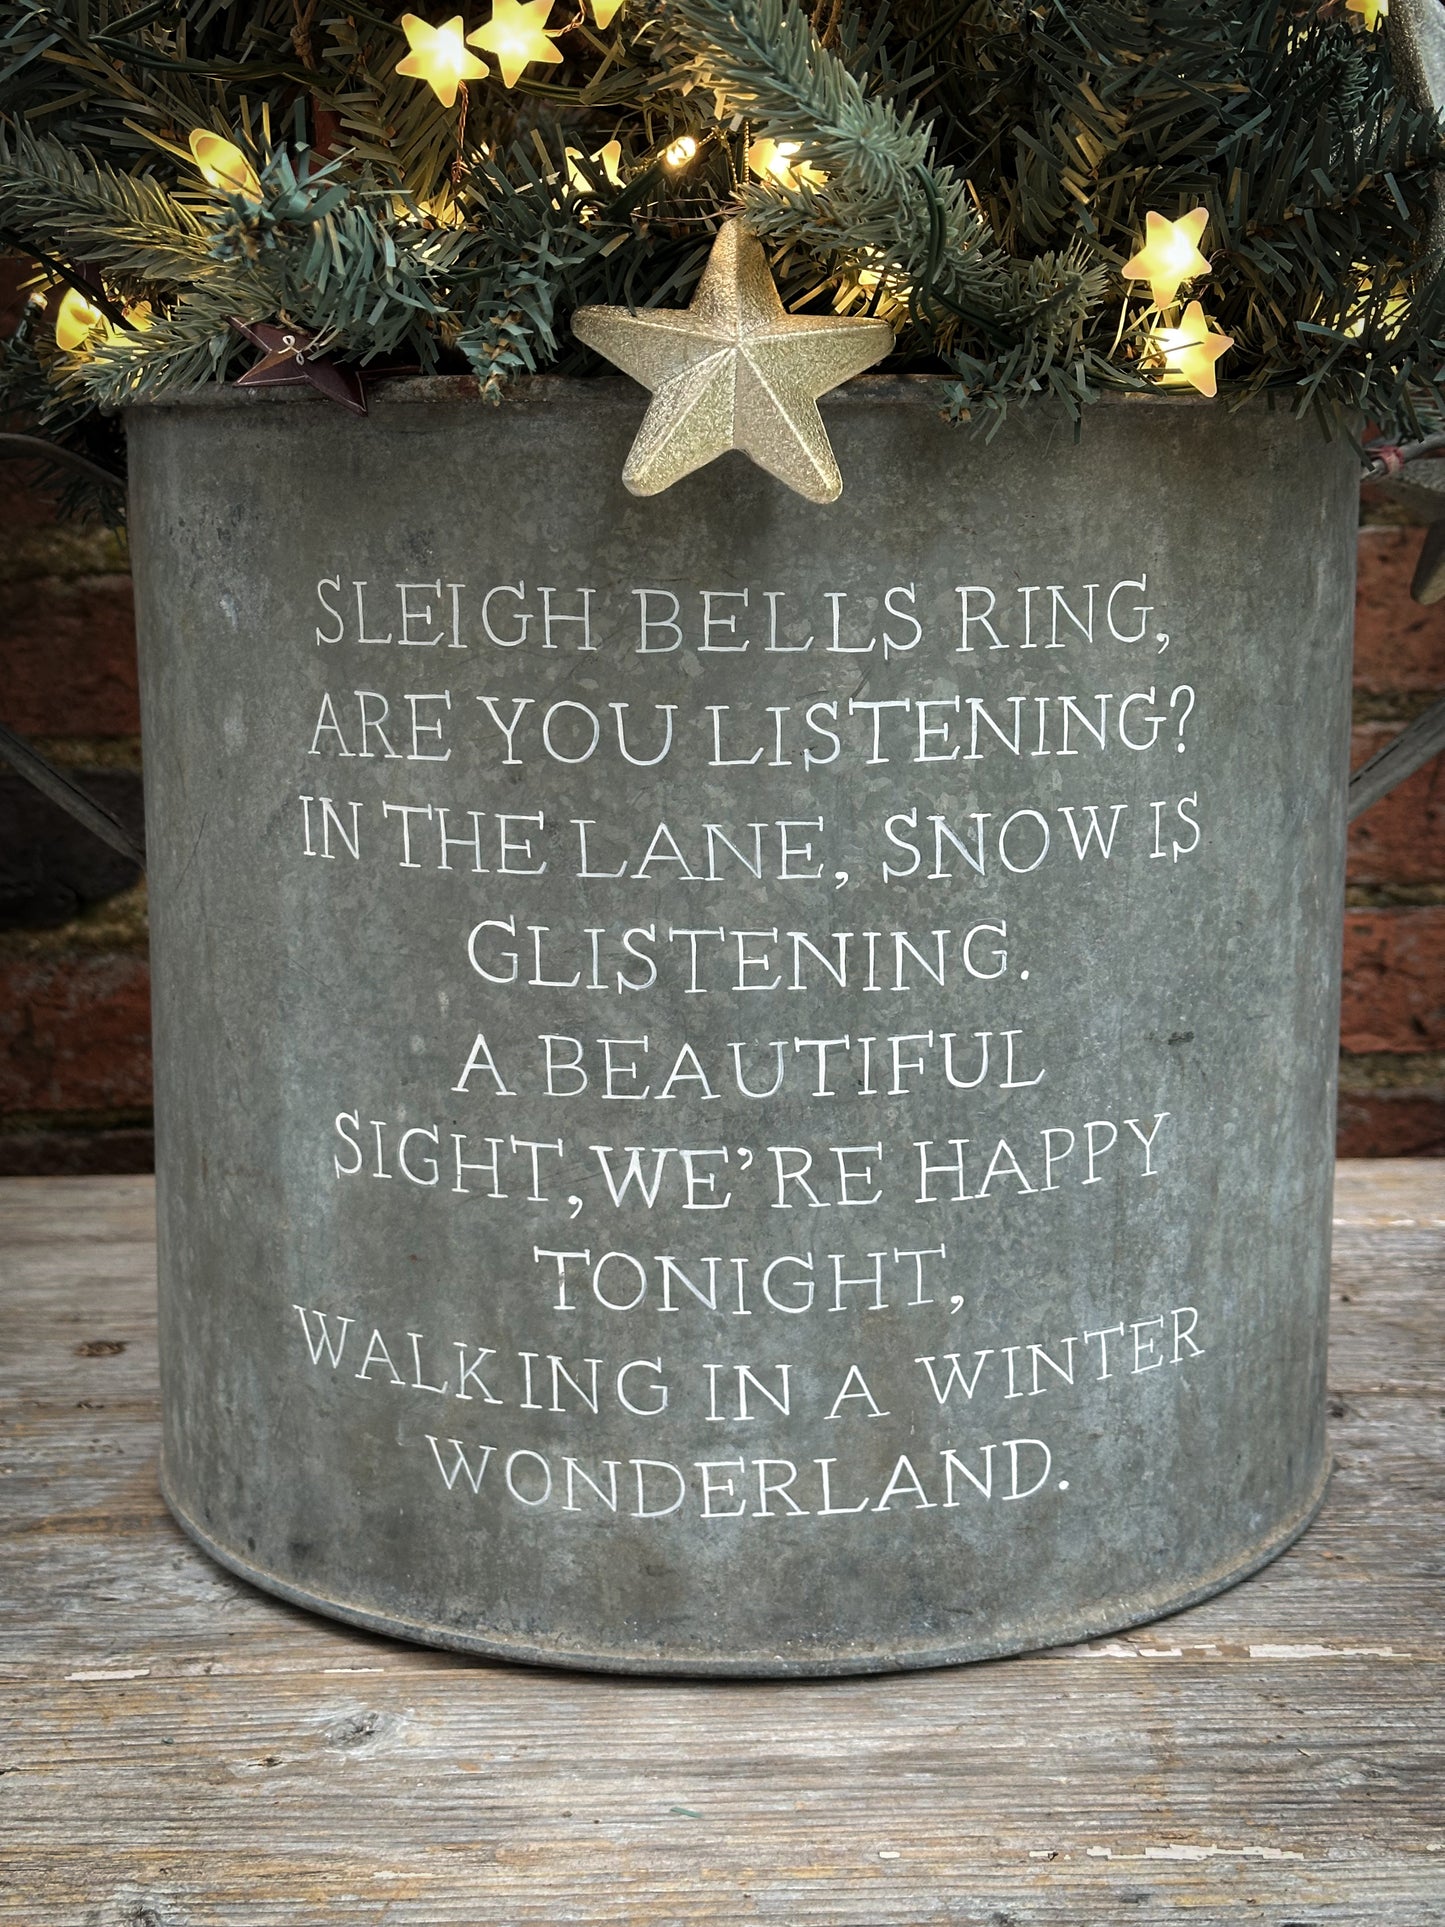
(71, 204)
(989, 165)
(885, 195)
(765, 58)
(183, 348)
(524, 252)
(30, 392)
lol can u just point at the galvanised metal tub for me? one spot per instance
(741, 1087)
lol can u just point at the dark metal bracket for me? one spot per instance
(36, 448)
(59, 787)
(1389, 767)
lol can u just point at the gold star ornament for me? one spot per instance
(734, 370)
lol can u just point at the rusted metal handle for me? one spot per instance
(55, 784)
(1409, 751)
(1389, 767)
(37, 448)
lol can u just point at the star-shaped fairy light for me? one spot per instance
(1170, 255)
(1372, 12)
(604, 12)
(289, 359)
(516, 35)
(1191, 350)
(608, 158)
(1384, 316)
(734, 370)
(439, 56)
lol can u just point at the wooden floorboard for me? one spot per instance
(179, 1750)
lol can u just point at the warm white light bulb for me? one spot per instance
(438, 55)
(76, 320)
(223, 165)
(1189, 352)
(778, 161)
(1170, 255)
(516, 34)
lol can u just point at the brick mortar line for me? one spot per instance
(41, 1123)
(1391, 705)
(91, 752)
(1394, 896)
(1379, 512)
(63, 555)
(116, 927)
(1422, 1071)
(30, 947)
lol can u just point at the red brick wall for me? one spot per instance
(74, 1014)
(74, 982)
(1392, 1027)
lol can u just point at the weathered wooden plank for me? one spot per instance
(1316, 1772)
(1390, 1191)
(188, 1751)
(63, 1211)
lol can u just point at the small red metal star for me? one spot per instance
(288, 361)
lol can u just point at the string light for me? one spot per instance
(1190, 351)
(608, 158)
(223, 165)
(873, 282)
(1371, 12)
(681, 151)
(444, 213)
(873, 272)
(438, 55)
(1388, 319)
(1170, 255)
(604, 12)
(76, 320)
(776, 160)
(516, 35)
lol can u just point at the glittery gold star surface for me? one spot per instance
(734, 370)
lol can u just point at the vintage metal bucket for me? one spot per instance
(742, 1087)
